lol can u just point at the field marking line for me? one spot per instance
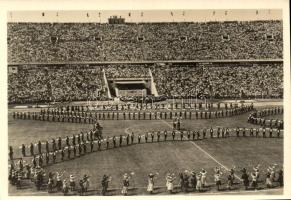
(197, 146)
(213, 158)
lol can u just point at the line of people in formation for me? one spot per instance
(90, 117)
(257, 117)
(79, 145)
(189, 180)
(134, 106)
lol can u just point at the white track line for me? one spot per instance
(205, 152)
(213, 158)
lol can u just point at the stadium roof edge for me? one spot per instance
(148, 62)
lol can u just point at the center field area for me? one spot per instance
(161, 157)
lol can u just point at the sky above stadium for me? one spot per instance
(145, 15)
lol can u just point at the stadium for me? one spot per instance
(145, 108)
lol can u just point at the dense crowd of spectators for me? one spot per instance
(233, 80)
(84, 82)
(127, 71)
(63, 42)
(55, 83)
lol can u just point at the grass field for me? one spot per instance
(159, 157)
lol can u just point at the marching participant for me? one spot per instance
(72, 183)
(59, 183)
(199, 183)
(126, 178)
(31, 149)
(256, 171)
(165, 135)
(158, 136)
(254, 180)
(230, 178)
(151, 183)
(54, 157)
(203, 177)
(50, 184)
(138, 138)
(105, 182)
(217, 178)
(269, 182)
(193, 180)
(39, 147)
(169, 182)
(22, 150)
(245, 178)
(65, 187)
(120, 140)
(152, 136)
(281, 177)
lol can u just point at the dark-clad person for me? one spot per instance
(173, 135)
(120, 140)
(54, 144)
(11, 153)
(75, 151)
(31, 149)
(104, 183)
(114, 141)
(107, 142)
(165, 135)
(23, 150)
(152, 136)
(47, 158)
(47, 146)
(54, 157)
(132, 137)
(245, 178)
(127, 139)
(193, 135)
(39, 147)
(138, 138)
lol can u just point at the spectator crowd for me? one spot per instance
(32, 84)
(66, 42)
(228, 80)
(37, 83)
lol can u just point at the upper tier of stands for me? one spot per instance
(93, 42)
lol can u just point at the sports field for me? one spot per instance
(161, 157)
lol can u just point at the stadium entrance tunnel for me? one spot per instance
(129, 88)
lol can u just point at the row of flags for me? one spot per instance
(171, 13)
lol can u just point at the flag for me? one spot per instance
(183, 13)
(141, 14)
(213, 13)
(42, 14)
(87, 14)
(225, 13)
(129, 14)
(99, 14)
(172, 13)
(257, 12)
(57, 14)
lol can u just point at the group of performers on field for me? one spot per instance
(85, 116)
(187, 181)
(258, 117)
(50, 152)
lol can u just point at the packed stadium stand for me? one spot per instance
(67, 42)
(72, 61)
